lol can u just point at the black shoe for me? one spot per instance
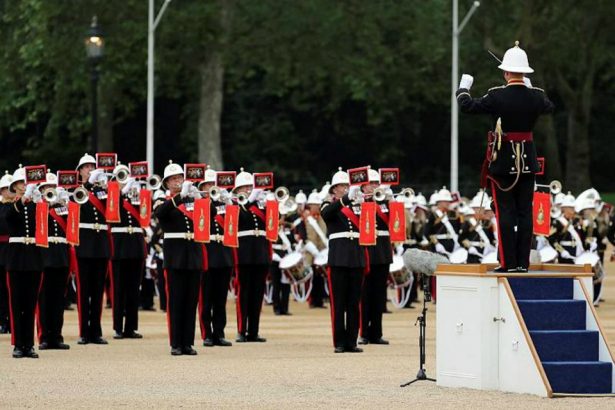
(4, 330)
(500, 269)
(354, 349)
(387, 311)
(44, 346)
(17, 353)
(132, 335)
(82, 341)
(176, 351)
(30, 352)
(208, 342)
(286, 314)
(60, 346)
(99, 341)
(363, 341)
(188, 350)
(380, 341)
(521, 270)
(118, 335)
(149, 309)
(241, 339)
(339, 349)
(277, 313)
(223, 342)
(257, 339)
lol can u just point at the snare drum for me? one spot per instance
(491, 257)
(590, 258)
(293, 265)
(398, 272)
(460, 255)
(547, 254)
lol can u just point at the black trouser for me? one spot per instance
(23, 291)
(182, 298)
(345, 293)
(5, 320)
(71, 292)
(212, 302)
(250, 292)
(51, 305)
(147, 292)
(514, 209)
(318, 289)
(373, 301)
(161, 283)
(90, 289)
(126, 279)
(281, 291)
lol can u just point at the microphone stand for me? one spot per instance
(422, 321)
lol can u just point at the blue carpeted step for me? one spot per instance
(553, 314)
(566, 345)
(542, 288)
(580, 377)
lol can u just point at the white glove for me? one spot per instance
(354, 193)
(565, 254)
(194, 192)
(474, 251)
(30, 189)
(255, 195)
(399, 250)
(185, 189)
(63, 195)
(527, 82)
(96, 176)
(37, 196)
(225, 197)
(593, 246)
(466, 81)
(441, 249)
(130, 183)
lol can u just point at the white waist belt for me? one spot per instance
(94, 227)
(216, 238)
(127, 229)
(382, 233)
(346, 235)
(474, 243)
(253, 232)
(56, 239)
(443, 236)
(179, 235)
(21, 239)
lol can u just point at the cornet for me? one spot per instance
(49, 194)
(80, 195)
(555, 187)
(379, 194)
(281, 194)
(122, 174)
(153, 182)
(407, 193)
(242, 198)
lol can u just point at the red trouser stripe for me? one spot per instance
(79, 307)
(332, 305)
(37, 312)
(497, 220)
(240, 329)
(166, 289)
(8, 285)
(201, 306)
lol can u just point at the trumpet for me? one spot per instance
(80, 195)
(122, 174)
(555, 187)
(281, 194)
(242, 198)
(379, 194)
(153, 182)
(407, 193)
(49, 194)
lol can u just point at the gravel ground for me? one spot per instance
(296, 367)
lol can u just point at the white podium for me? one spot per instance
(482, 341)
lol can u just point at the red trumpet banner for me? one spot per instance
(358, 176)
(367, 230)
(231, 225)
(106, 160)
(272, 220)
(36, 174)
(72, 223)
(263, 180)
(112, 211)
(389, 176)
(542, 213)
(397, 221)
(201, 220)
(145, 207)
(138, 169)
(41, 237)
(68, 179)
(195, 172)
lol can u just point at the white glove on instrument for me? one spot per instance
(63, 195)
(256, 195)
(527, 82)
(37, 196)
(130, 183)
(354, 193)
(565, 254)
(30, 188)
(441, 249)
(466, 81)
(194, 192)
(96, 176)
(185, 189)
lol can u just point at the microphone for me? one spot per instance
(418, 261)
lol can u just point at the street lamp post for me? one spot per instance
(94, 45)
(457, 28)
(151, 30)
